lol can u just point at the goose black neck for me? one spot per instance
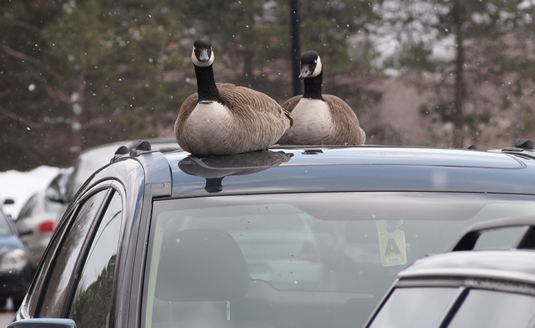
(313, 87)
(206, 88)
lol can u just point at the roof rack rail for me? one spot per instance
(140, 147)
(524, 143)
(120, 152)
(469, 237)
(524, 147)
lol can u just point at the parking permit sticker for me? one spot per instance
(392, 245)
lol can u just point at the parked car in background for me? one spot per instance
(15, 270)
(66, 184)
(38, 217)
(475, 284)
(6, 201)
(163, 238)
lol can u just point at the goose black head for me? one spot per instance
(202, 54)
(310, 64)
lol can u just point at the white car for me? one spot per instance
(36, 223)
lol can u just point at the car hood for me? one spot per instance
(8, 243)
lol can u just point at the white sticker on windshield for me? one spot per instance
(391, 244)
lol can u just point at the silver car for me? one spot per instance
(36, 223)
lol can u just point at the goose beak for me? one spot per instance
(204, 56)
(305, 72)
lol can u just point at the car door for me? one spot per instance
(76, 278)
(93, 298)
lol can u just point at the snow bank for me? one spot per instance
(21, 185)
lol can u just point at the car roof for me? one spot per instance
(358, 168)
(514, 265)
(173, 172)
(98, 156)
(92, 159)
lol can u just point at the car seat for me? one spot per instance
(200, 271)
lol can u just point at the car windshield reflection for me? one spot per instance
(4, 227)
(336, 250)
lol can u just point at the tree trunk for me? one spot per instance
(458, 116)
(295, 38)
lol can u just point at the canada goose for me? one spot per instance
(320, 119)
(224, 119)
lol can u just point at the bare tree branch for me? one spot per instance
(31, 124)
(96, 122)
(29, 59)
(22, 24)
(58, 95)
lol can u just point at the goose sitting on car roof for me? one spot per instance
(223, 119)
(320, 119)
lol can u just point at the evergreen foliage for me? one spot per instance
(78, 73)
(478, 56)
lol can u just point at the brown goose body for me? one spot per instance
(322, 122)
(224, 119)
(249, 120)
(320, 119)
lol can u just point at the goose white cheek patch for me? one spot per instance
(318, 68)
(199, 63)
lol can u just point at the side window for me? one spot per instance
(40, 280)
(60, 271)
(28, 208)
(92, 301)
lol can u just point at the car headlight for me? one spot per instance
(13, 260)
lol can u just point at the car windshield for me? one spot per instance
(300, 260)
(4, 226)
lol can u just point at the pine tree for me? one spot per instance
(487, 66)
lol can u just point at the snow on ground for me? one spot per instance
(19, 186)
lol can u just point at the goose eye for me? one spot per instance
(315, 61)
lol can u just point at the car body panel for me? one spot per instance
(366, 169)
(355, 180)
(515, 265)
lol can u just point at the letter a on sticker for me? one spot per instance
(391, 247)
